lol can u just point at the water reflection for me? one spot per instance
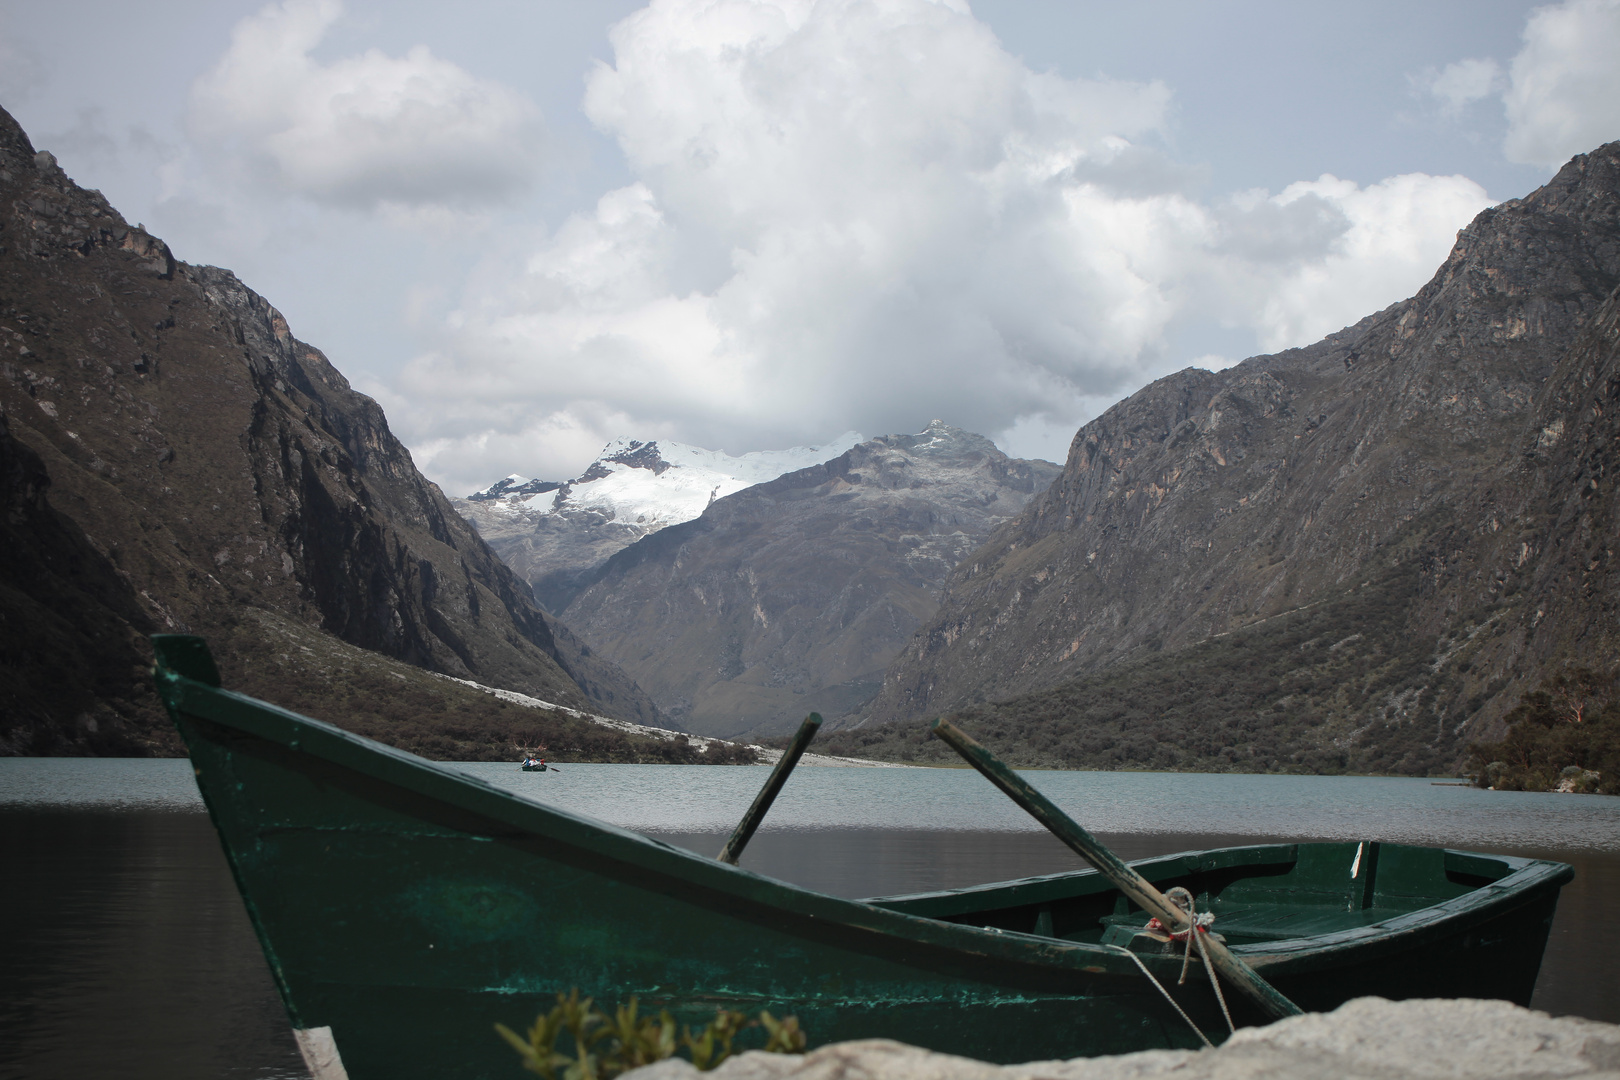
(125, 951)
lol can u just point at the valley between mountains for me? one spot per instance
(793, 595)
(1355, 556)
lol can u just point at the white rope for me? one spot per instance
(1202, 920)
(1198, 923)
(1162, 990)
(1216, 983)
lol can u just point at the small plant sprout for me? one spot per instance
(606, 1046)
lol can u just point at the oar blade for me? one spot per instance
(767, 794)
(1094, 851)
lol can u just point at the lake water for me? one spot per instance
(124, 948)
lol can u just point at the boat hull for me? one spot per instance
(405, 908)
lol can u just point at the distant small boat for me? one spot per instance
(405, 907)
(533, 766)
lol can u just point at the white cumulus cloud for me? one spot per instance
(1564, 97)
(865, 214)
(1464, 82)
(362, 131)
(1359, 249)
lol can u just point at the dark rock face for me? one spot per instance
(70, 630)
(1450, 453)
(511, 486)
(217, 464)
(791, 596)
(1571, 459)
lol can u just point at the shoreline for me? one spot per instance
(767, 755)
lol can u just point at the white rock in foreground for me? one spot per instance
(1366, 1039)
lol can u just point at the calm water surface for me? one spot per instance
(124, 947)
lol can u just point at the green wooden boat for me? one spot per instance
(405, 907)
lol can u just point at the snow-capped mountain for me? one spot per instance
(555, 533)
(795, 595)
(654, 483)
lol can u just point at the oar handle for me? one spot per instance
(767, 794)
(1124, 877)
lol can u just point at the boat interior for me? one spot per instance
(1258, 894)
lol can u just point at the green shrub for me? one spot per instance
(1310, 691)
(439, 718)
(606, 1046)
(1562, 736)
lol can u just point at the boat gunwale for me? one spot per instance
(1527, 880)
(470, 794)
(1286, 849)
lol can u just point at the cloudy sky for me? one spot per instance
(527, 228)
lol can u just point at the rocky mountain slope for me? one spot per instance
(793, 595)
(556, 535)
(1352, 555)
(174, 459)
(70, 626)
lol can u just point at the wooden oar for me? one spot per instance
(767, 794)
(1124, 877)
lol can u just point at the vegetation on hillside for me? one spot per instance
(1563, 736)
(1341, 687)
(415, 710)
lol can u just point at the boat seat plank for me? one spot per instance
(1245, 923)
(1413, 877)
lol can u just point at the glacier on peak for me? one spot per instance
(556, 533)
(654, 483)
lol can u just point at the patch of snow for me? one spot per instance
(701, 742)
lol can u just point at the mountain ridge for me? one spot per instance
(1389, 454)
(789, 596)
(214, 466)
